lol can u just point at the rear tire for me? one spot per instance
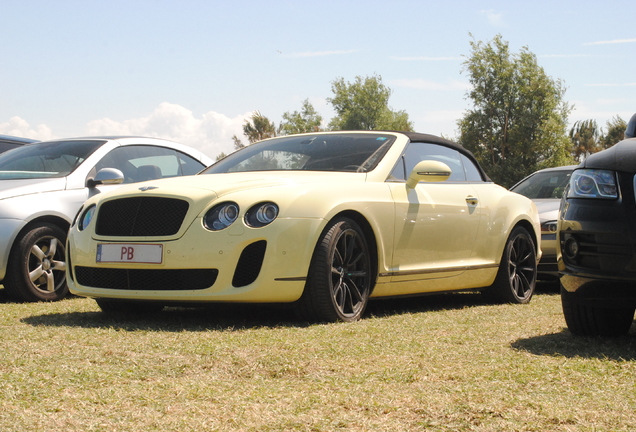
(36, 270)
(517, 276)
(586, 320)
(339, 281)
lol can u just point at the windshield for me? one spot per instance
(354, 152)
(45, 160)
(544, 185)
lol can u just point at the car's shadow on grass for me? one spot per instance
(564, 344)
(226, 317)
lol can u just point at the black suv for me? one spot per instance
(596, 241)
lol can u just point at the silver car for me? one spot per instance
(43, 185)
(545, 187)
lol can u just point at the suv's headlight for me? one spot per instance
(593, 183)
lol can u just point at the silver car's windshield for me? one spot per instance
(544, 185)
(46, 160)
(333, 152)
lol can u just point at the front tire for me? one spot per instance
(36, 270)
(517, 276)
(587, 320)
(339, 280)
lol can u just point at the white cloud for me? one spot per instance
(611, 85)
(615, 41)
(421, 84)
(427, 58)
(17, 126)
(317, 53)
(211, 133)
(495, 18)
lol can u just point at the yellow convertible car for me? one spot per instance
(323, 221)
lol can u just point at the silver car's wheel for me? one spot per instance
(339, 280)
(517, 276)
(37, 267)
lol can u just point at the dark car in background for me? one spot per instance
(545, 188)
(8, 142)
(596, 241)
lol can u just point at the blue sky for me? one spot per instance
(193, 70)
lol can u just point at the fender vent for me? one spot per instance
(249, 264)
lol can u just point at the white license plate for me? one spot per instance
(130, 252)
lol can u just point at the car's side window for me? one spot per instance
(142, 162)
(472, 172)
(417, 152)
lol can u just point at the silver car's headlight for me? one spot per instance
(261, 214)
(221, 216)
(86, 218)
(593, 183)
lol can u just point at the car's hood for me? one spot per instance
(222, 184)
(14, 188)
(548, 209)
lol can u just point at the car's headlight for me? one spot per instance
(261, 214)
(593, 183)
(86, 218)
(221, 216)
(549, 227)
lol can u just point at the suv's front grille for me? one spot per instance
(141, 216)
(153, 279)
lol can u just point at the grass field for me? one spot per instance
(440, 363)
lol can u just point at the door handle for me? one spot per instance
(471, 200)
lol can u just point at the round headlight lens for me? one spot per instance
(86, 218)
(261, 214)
(221, 216)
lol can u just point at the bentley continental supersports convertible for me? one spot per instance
(323, 221)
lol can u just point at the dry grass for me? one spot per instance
(442, 363)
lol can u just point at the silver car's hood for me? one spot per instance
(14, 188)
(548, 209)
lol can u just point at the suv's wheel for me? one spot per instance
(517, 276)
(586, 320)
(339, 281)
(36, 269)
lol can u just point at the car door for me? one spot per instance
(436, 224)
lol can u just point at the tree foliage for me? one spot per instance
(307, 120)
(519, 120)
(364, 105)
(615, 132)
(584, 136)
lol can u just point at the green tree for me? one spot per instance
(615, 132)
(518, 123)
(363, 105)
(257, 128)
(584, 136)
(307, 120)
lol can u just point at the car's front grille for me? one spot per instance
(141, 216)
(147, 279)
(605, 252)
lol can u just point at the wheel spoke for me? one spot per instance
(36, 273)
(39, 253)
(58, 265)
(50, 281)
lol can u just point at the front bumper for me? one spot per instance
(238, 264)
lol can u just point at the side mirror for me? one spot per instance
(428, 171)
(106, 176)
